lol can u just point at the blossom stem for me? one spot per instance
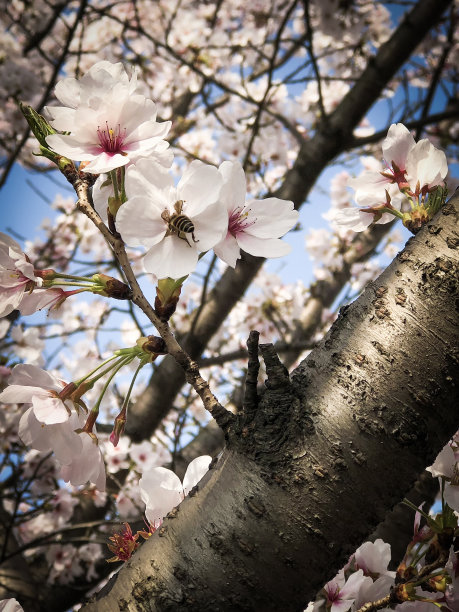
(70, 284)
(121, 363)
(87, 279)
(114, 180)
(101, 365)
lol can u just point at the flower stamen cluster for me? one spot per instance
(111, 141)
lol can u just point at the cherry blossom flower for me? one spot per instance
(17, 275)
(373, 558)
(29, 384)
(341, 593)
(255, 226)
(87, 465)
(412, 171)
(161, 489)
(175, 224)
(77, 453)
(111, 123)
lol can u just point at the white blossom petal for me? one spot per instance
(228, 250)
(195, 471)
(263, 247)
(139, 222)
(172, 257)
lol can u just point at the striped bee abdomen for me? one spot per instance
(180, 225)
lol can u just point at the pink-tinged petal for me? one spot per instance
(172, 257)
(27, 269)
(33, 433)
(443, 464)
(105, 162)
(101, 191)
(228, 250)
(373, 557)
(10, 299)
(150, 181)
(17, 394)
(210, 227)
(260, 247)
(67, 91)
(234, 188)
(342, 605)
(10, 243)
(65, 442)
(272, 217)
(397, 144)
(426, 165)
(370, 188)
(32, 376)
(60, 116)
(198, 188)
(195, 471)
(160, 490)
(49, 410)
(352, 219)
(137, 116)
(88, 466)
(140, 223)
(352, 585)
(39, 299)
(67, 145)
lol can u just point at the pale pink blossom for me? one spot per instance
(341, 593)
(88, 465)
(111, 123)
(373, 558)
(161, 489)
(42, 298)
(255, 226)
(78, 454)
(29, 384)
(412, 170)
(17, 275)
(175, 224)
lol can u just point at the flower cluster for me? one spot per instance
(411, 187)
(113, 128)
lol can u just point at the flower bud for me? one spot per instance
(112, 287)
(118, 427)
(152, 344)
(167, 296)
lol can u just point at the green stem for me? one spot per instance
(114, 180)
(72, 277)
(101, 365)
(131, 386)
(122, 362)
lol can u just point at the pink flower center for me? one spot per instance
(111, 141)
(333, 590)
(238, 221)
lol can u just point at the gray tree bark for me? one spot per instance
(310, 471)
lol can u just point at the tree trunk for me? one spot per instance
(309, 472)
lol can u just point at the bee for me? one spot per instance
(179, 224)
